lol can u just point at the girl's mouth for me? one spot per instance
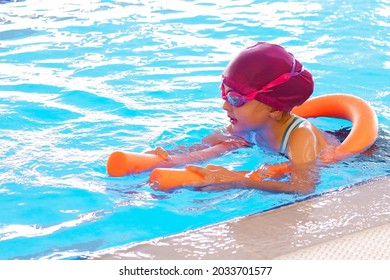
(232, 120)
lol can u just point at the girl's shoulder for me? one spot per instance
(306, 143)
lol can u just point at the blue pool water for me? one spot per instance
(81, 79)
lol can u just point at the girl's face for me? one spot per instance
(253, 115)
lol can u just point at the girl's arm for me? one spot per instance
(201, 155)
(303, 167)
(304, 149)
(303, 179)
(212, 146)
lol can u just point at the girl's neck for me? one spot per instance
(271, 135)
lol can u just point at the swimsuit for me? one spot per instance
(286, 136)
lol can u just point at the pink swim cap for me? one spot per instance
(256, 66)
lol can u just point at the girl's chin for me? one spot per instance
(237, 128)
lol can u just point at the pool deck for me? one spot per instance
(350, 224)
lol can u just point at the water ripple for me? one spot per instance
(14, 231)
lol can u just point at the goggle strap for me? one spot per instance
(279, 80)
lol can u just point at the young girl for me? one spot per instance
(260, 86)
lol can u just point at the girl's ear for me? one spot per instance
(276, 114)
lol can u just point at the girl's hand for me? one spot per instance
(160, 152)
(214, 177)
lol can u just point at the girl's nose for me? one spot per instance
(226, 106)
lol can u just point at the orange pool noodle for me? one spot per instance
(122, 164)
(363, 134)
(170, 178)
(364, 121)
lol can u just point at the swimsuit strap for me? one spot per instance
(286, 136)
(252, 138)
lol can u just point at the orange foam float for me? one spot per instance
(121, 164)
(363, 134)
(169, 178)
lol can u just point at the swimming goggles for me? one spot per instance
(237, 99)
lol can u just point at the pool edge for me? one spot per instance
(322, 227)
